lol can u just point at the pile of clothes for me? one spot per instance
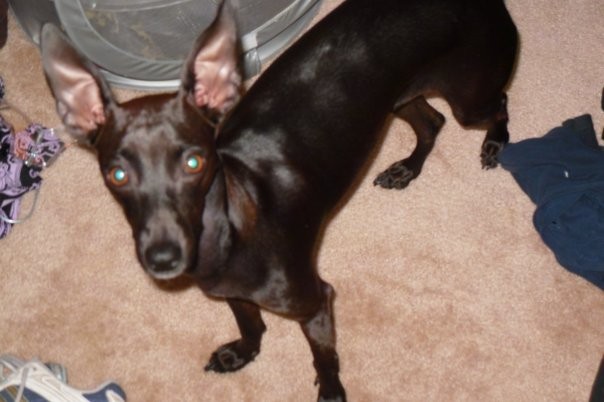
(563, 174)
(23, 155)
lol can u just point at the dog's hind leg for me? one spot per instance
(236, 354)
(319, 330)
(426, 122)
(494, 116)
(497, 136)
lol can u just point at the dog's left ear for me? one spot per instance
(211, 74)
(82, 96)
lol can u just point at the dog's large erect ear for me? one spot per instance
(211, 74)
(81, 94)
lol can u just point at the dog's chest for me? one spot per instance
(260, 280)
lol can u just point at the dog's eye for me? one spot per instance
(194, 164)
(118, 177)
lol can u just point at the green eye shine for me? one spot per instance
(118, 177)
(194, 164)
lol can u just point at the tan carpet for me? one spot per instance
(445, 291)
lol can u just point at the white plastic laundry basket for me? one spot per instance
(142, 43)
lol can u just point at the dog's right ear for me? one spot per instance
(211, 75)
(82, 96)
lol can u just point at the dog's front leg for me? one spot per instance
(236, 354)
(320, 333)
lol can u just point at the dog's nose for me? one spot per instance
(163, 259)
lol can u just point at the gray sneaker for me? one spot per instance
(34, 381)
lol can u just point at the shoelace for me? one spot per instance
(21, 390)
(12, 365)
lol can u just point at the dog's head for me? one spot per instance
(157, 152)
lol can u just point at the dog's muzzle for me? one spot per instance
(164, 260)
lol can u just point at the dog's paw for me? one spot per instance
(231, 357)
(336, 399)
(488, 155)
(397, 176)
(335, 393)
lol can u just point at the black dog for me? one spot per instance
(239, 205)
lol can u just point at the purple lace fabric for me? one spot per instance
(23, 155)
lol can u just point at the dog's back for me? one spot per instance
(339, 82)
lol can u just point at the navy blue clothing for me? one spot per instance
(563, 174)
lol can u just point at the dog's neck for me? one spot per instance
(229, 215)
(217, 233)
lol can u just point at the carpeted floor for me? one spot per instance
(445, 290)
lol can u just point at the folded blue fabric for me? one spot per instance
(563, 174)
